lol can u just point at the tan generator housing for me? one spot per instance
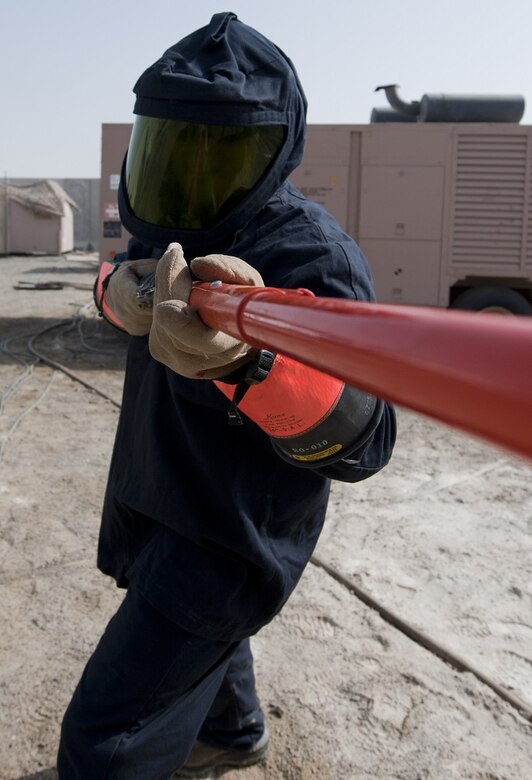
(441, 210)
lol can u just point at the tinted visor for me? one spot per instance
(189, 176)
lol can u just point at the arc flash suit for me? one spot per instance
(209, 526)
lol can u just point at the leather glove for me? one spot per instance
(121, 296)
(178, 337)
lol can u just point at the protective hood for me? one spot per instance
(224, 74)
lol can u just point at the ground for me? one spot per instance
(438, 546)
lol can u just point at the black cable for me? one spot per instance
(60, 367)
(420, 638)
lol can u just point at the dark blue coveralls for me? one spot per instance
(203, 523)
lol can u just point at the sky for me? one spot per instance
(67, 66)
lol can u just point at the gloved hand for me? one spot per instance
(121, 297)
(178, 337)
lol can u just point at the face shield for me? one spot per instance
(190, 176)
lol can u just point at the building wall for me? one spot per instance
(33, 232)
(113, 236)
(86, 193)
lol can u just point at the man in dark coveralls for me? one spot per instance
(223, 457)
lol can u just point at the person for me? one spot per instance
(224, 452)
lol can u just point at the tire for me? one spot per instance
(500, 300)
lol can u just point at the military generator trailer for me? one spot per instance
(441, 210)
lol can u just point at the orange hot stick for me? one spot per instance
(472, 371)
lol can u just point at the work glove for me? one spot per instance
(178, 337)
(121, 296)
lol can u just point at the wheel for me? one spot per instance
(501, 300)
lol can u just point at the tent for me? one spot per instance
(36, 218)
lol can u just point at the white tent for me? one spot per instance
(36, 218)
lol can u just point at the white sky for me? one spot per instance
(67, 66)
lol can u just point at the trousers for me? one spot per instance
(149, 690)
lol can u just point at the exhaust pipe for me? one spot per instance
(392, 96)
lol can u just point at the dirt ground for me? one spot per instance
(441, 538)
